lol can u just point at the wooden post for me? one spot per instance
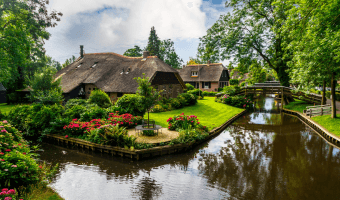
(282, 98)
(321, 111)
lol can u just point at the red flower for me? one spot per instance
(40, 167)
(1, 153)
(66, 136)
(19, 144)
(24, 153)
(2, 160)
(8, 150)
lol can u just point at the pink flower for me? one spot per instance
(14, 166)
(192, 121)
(8, 150)
(66, 136)
(11, 191)
(1, 153)
(198, 123)
(244, 105)
(24, 153)
(2, 160)
(8, 198)
(19, 144)
(3, 130)
(5, 122)
(4, 190)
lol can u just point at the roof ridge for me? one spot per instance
(205, 64)
(116, 54)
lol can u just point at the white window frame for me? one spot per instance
(194, 73)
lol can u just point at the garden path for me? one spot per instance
(164, 135)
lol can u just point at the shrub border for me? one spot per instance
(143, 153)
(324, 133)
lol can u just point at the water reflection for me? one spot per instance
(261, 156)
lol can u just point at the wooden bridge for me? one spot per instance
(274, 87)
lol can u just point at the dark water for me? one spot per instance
(263, 155)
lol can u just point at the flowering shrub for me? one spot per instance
(184, 122)
(157, 108)
(77, 128)
(8, 194)
(17, 164)
(238, 101)
(126, 120)
(189, 135)
(111, 135)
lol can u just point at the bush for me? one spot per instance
(231, 90)
(94, 113)
(211, 94)
(157, 108)
(189, 86)
(175, 103)
(18, 167)
(196, 92)
(100, 98)
(220, 89)
(74, 112)
(243, 84)
(233, 81)
(73, 102)
(238, 101)
(184, 122)
(189, 135)
(131, 103)
(112, 135)
(190, 99)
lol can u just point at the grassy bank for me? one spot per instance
(5, 108)
(209, 113)
(332, 125)
(297, 105)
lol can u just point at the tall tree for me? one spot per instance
(22, 33)
(134, 52)
(69, 61)
(250, 31)
(314, 32)
(168, 54)
(153, 43)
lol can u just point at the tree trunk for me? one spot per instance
(323, 101)
(333, 95)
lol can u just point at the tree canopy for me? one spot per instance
(22, 33)
(134, 52)
(168, 54)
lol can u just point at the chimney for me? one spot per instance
(82, 51)
(146, 54)
(183, 66)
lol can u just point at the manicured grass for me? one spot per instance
(209, 113)
(5, 108)
(332, 125)
(297, 105)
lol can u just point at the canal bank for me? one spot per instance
(261, 155)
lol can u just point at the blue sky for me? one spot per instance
(117, 25)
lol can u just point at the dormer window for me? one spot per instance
(93, 66)
(78, 66)
(127, 71)
(122, 72)
(194, 73)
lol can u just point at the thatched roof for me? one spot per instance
(107, 73)
(2, 88)
(211, 72)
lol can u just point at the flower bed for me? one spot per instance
(237, 101)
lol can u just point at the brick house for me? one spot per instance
(114, 74)
(207, 77)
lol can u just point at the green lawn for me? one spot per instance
(5, 108)
(297, 105)
(209, 113)
(332, 125)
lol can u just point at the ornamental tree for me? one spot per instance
(148, 92)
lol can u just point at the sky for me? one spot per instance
(117, 25)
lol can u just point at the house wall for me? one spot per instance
(169, 90)
(88, 89)
(3, 97)
(213, 86)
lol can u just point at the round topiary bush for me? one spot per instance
(100, 98)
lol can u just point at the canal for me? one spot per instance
(263, 155)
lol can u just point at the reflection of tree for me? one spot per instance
(147, 188)
(296, 165)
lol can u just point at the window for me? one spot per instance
(119, 94)
(89, 88)
(93, 66)
(194, 73)
(206, 85)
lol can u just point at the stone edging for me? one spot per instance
(330, 137)
(143, 153)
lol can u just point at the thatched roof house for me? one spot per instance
(114, 74)
(2, 94)
(207, 77)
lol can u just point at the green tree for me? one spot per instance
(168, 54)
(45, 88)
(69, 61)
(153, 43)
(257, 74)
(250, 31)
(148, 92)
(314, 34)
(134, 52)
(23, 27)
